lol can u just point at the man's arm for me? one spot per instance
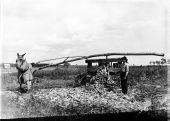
(127, 71)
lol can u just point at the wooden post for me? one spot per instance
(89, 66)
(106, 60)
(98, 55)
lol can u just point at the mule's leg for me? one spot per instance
(20, 86)
(28, 85)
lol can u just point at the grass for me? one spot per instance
(61, 73)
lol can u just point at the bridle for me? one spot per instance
(21, 61)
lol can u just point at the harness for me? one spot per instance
(19, 79)
(22, 72)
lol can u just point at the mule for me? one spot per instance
(25, 72)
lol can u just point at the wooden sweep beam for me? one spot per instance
(104, 54)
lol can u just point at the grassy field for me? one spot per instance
(53, 94)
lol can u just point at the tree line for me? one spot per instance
(158, 62)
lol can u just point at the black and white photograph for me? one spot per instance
(84, 60)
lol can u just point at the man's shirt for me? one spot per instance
(124, 67)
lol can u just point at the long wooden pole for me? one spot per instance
(104, 54)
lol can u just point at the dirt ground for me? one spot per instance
(59, 101)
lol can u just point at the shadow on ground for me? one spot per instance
(132, 116)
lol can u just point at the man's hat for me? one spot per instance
(124, 58)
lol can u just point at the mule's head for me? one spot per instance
(20, 58)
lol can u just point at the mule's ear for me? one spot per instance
(23, 55)
(17, 54)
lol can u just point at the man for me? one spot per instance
(124, 74)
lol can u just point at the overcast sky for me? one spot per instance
(47, 29)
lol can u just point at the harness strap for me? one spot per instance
(19, 79)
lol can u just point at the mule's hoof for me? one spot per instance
(23, 90)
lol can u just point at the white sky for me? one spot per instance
(47, 29)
